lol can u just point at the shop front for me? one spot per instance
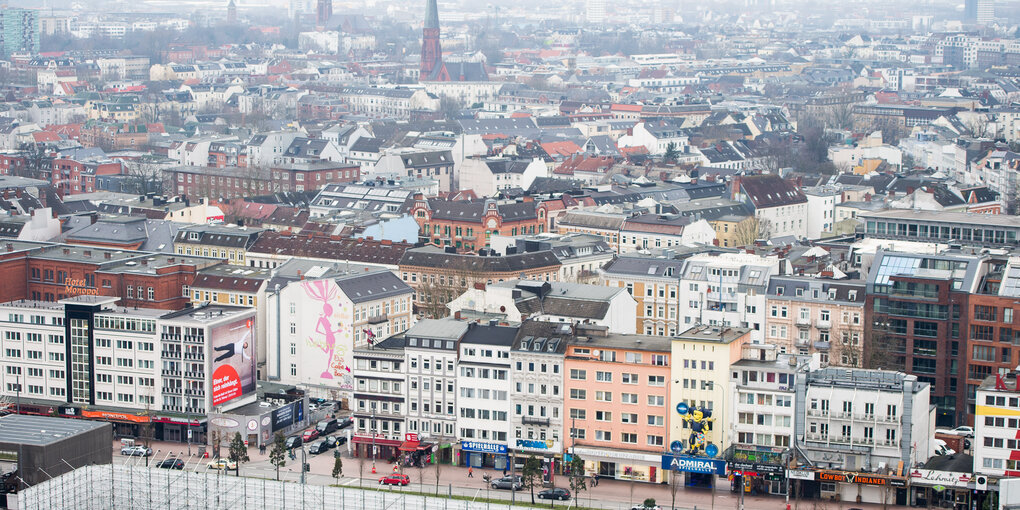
(941, 489)
(124, 424)
(761, 467)
(622, 465)
(548, 451)
(483, 455)
(697, 471)
(414, 452)
(179, 430)
(857, 487)
(376, 448)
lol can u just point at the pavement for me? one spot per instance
(609, 494)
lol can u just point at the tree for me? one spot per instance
(238, 452)
(752, 229)
(278, 453)
(531, 475)
(674, 486)
(338, 468)
(671, 153)
(436, 463)
(648, 503)
(449, 107)
(577, 481)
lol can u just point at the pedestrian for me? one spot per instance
(471, 472)
(504, 471)
(595, 479)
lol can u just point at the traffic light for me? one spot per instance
(307, 467)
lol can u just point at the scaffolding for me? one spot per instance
(128, 487)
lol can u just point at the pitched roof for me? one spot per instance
(770, 191)
(330, 247)
(371, 286)
(432, 256)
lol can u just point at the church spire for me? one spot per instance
(431, 14)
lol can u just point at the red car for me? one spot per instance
(395, 479)
(309, 435)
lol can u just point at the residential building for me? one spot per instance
(861, 421)
(917, 309)
(20, 31)
(379, 399)
(995, 426)
(226, 242)
(468, 225)
(273, 249)
(700, 364)
(808, 315)
(727, 290)
(992, 230)
(605, 225)
(486, 177)
(653, 282)
(315, 324)
(821, 201)
(581, 255)
(537, 394)
(517, 301)
(992, 346)
(763, 414)
(430, 355)
(649, 231)
(616, 413)
(780, 207)
(483, 401)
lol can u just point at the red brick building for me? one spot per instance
(232, 182)
(12, 164)
(467, 225)
(70, 177)
(51, 272)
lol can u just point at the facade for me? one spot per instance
(700, 362)
(379, 399)
(995, 426)
(653, 283)
(650, 231)
(616, 418)
(469, 225)
(726, 291)
(917, 311)
(483, 400)
(244, 181)
(430, 355)
(19, 31)
(992, 347)
(228, 243)
(315, 325)
(781, 207)
(537, 393)
(992, 230)
(809, 315)
(866, 421)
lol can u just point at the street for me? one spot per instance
(610, 494)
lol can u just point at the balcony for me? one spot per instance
(176, 391)
(818, 412)
(531, 420)
(377, 319)
(168, 336)
(171, 373)
(726, 297)
(823, 323)
(802, 342)
(194, 375)
(803, 322)
(171, 354)
(198, 356)
(195, 393)
(194, 339)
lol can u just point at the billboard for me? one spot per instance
(288, 415)
(328, 343)
(233, 360)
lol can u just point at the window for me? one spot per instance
(603, 416)
(604, 396)
(629, 398)
(603, 435)
(604, 376)
(578, 375)
(656, 380)
(655, 420)
(628, 418)
(578, 394)
(578, 414)
(628, 438)
(656, 400)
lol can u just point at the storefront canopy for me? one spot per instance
(409, 446)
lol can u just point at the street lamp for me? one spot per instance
(373, 427)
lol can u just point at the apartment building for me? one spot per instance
(727, 290)
(430, 355)
(483, 400)
(537, 393)
(379, 399)
(654, 284)
(996, 420)
(616, 389)
(807, 315)
(862, 421)
(227, 242)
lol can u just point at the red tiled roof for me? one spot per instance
(567, 148)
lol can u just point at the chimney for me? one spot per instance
(479, 285)
(108, 255)
(300, 276)
(456, 316)
(910, 190)
(867, 197)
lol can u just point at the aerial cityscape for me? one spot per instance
(599, 255)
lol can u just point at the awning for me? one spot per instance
(409, 446)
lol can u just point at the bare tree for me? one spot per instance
(752, 229)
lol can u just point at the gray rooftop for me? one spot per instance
(42, 430)
(447, 329)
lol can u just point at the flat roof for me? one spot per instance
(713, 334)
(997, 220)
(42, 430)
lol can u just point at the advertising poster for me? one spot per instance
(233, 361)
(329, 340)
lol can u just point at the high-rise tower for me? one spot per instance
(231, 13)
(431, 53)
(323, 11)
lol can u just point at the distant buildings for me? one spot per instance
(19, 31)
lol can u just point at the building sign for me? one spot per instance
(931, 477)
(800, 474)
(757, 467)
(68, 411)
(79, 287)
(858, 478)
(411, 436)
(694, 464)
(283, 417)
(475, 446)
(103, 415)
(538, 445)
(233, 352)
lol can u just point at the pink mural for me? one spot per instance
(329, 332)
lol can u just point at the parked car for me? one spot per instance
(346, 422)
(964, 431)
(555, 493)
(309, 435)
(136, 451)
(293, 442)
(643, 507)
(320, 447)
(222, 464)
(395, 479)
(171, 464)
(513, 483)
(326, 426)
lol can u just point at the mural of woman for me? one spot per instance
(322, 291)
